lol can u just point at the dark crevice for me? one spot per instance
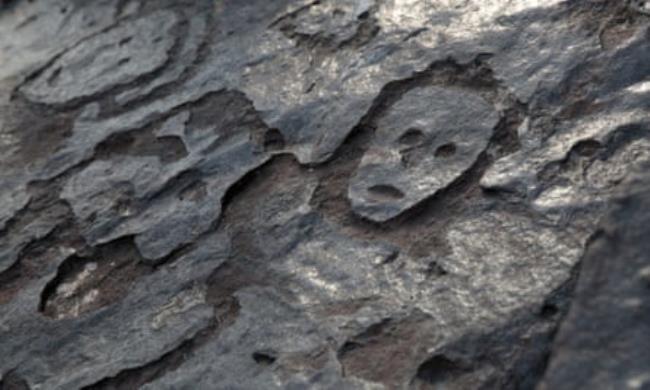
(99, 278)
(348, 347)
(139, 143)
(247, 180)
(273, 140)
(293, 14)
(264, 358)
(549, 310)
(251, 197)
(556, 308)
(437, 369)
(505, 138)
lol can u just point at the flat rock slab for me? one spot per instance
(115, 57)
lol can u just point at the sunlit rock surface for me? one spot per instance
(333, 194)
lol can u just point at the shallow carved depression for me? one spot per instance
(412, 137)
(385, 192)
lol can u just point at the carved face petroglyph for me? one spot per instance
(423, 143)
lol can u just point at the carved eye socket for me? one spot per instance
(264, 359)
(446, 150)
(383, 192)
(411, 137)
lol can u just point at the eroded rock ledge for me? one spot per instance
(334, 194)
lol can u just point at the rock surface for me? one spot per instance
(603, 341)
(330, 194)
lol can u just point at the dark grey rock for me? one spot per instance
(335, 194)
(603, 341)
(117, 56)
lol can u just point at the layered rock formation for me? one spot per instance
(324, 194)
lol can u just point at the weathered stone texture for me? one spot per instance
(332, 194)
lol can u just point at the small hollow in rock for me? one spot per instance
(437, 369)
(446, 150)
(125, 41)
(549, 310)
(384, 192)
(587, 148)
(411, 137)
(273, 140)
(263, 359)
